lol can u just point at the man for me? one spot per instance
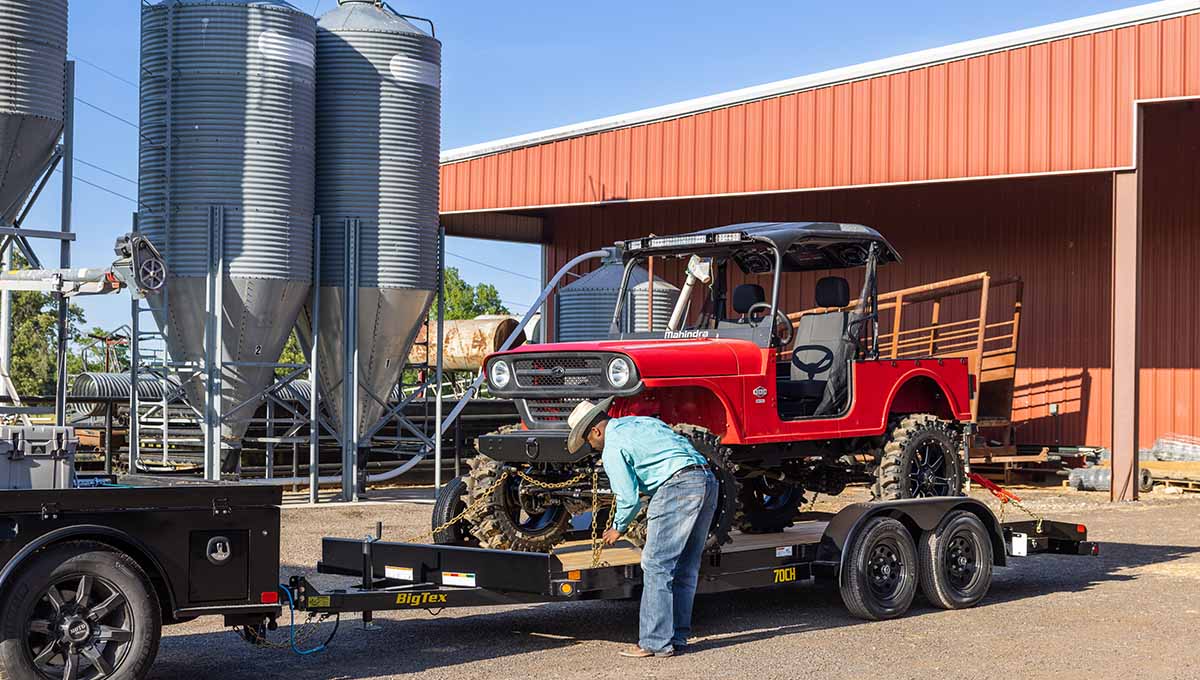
(644, 456)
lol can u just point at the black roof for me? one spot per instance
(806, 245)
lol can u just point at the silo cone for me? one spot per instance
(378, 141)
(33, 57)
(227, 122)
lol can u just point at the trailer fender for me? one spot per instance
(918, 514)
(119, 540)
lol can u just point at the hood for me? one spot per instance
(660, 358)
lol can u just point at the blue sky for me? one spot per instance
(517, 67)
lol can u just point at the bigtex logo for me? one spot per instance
(420, 599)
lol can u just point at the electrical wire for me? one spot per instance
(492, 266)
(102, 69)
(108, 113)
(132, 181)
(102, 188)
(292, 628)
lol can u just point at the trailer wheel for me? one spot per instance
(80, 610)
(451, 501)
(956, 562)
(922, 458)
(879, 576)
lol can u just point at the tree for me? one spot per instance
(34, 348)
(464, 301)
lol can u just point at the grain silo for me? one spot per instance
(226, 181)
(33, 56)
(378, 141)
(585, 306)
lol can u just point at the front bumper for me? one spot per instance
(529, 446)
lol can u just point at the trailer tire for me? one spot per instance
(956, 562)
(879, 574)
(118, 625)
(914, 439)
(451, 501)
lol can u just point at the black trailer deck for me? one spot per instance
(410, 575)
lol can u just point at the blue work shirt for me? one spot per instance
(640, 453)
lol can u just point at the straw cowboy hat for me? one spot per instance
(581, 420)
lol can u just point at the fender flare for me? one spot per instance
(919, 372)
(918, 514)
(99, 534)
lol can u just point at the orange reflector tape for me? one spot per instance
(575, 575)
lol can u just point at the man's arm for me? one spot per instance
(624, 486)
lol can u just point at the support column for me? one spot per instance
(1127, 284)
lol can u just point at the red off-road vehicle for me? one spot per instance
(778, 408)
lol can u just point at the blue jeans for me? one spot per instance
(678, 520)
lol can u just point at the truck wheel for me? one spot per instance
(922, 458)
(80, 610)
(956, 562)
(879, 576)
(767, 506)
(709, 446)
(502, 522)
(451, 500)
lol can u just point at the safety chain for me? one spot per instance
(1006, 498)
(421, 538)
(811, 504)
(597, 539)
(306, 631)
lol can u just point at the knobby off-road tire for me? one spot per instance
(79, 603)
(497, 523)
(767, 506)
(451, 501)
(922, 458)
(879, 580)
(956, 562)
(709, 446)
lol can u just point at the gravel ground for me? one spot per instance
(1133, 612)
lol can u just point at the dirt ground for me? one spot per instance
(1132, 612)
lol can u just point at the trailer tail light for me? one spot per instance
(269, 597)
(1080, 529)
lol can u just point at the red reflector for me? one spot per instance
(269, 597)
(1080, 528)
(1095, 549)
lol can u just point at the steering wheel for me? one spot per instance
(781, 320)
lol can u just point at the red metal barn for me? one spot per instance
(1064, 154)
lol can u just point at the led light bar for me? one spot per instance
(678, 241)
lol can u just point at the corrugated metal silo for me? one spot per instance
(227, 124)
(33, 56)
(584, 309)
(378, 141)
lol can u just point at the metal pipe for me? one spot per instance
(64, 246)
(314, 418)
(441, 326)
(533, 309)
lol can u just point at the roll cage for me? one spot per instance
(757, 248)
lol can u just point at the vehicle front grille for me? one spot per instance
(548, 413)
(560, 371)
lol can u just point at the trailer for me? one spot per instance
(89, 576)
(878, 554)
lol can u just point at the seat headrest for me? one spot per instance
(746, 296)
(833, 291)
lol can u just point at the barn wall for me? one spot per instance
(1061, 105)
(1053, 232)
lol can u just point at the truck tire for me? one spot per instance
(767, 506)
(500, 523)
(879, 572)
(80, 610)
(451, 501)
(709, 446)
(922, 458)
(956, 562)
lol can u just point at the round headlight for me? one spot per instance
(619, 372)
(500, 375)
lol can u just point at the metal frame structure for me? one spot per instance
(17, 236)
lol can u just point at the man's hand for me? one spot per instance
(611, 536)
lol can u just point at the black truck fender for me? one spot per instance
(118, 540)
(918, 514)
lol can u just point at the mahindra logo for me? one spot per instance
(558, 371)
(682, 335)
(760, 391)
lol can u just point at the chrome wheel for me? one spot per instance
(81, 629)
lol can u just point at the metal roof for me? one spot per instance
(1096, 22)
